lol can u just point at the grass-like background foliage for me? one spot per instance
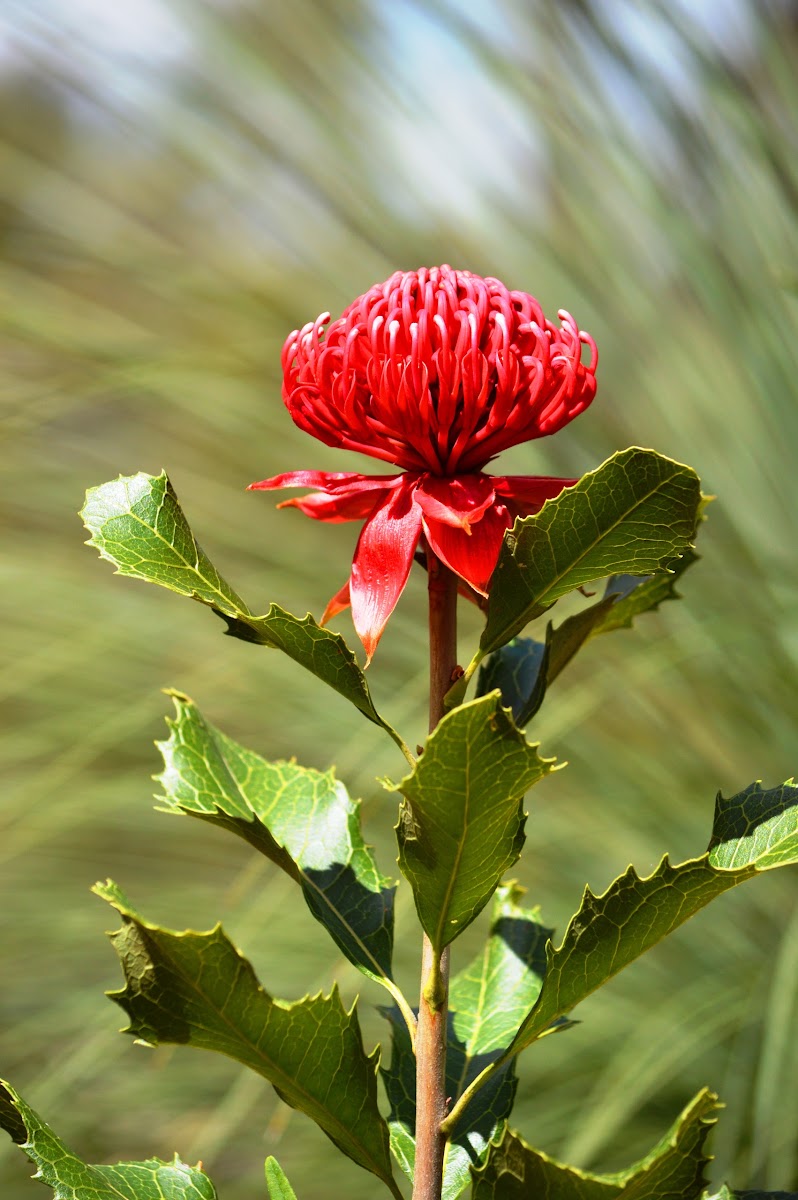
(182, 185)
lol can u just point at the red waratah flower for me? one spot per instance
(436, 371)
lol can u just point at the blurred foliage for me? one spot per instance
(182, 184)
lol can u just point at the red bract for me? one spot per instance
(436, 371)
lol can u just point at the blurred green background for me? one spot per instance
(183, 183)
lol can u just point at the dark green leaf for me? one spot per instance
(754, 831)
(301, 819)
(137, 523)
(196, 989)
(276, 1182)
(674, 1169)
(461, 825)
(72, 1179)
(519, 671)
(635, 514)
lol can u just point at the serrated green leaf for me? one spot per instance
(136, 522)
(72, 1179)
(486, 1002)
(673, 1170)
(461, 823)
(635, 514)
(276, 1181)
(196, 989)
(524, 669)
(754, 831)
(301, 819)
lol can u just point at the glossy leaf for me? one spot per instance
(278, 1186)
(196, 989)
(136, 522)
(673, 1170)
(754, 831)
(72, 1179)
(635, 514)
(461, 824)
(301, 819)
(519, 671)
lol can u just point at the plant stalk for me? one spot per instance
(431, 1099)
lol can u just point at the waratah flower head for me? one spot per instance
(437, 370)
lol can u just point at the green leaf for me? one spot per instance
(485, 1119)
(725, 1193)
(276, 1182)
(196, 989)
(673, 1170)
(303, 820)
(524, 669)
(519, 671)
(754, 831)
(635, 514)
(137, 523)
(72, 1179)
(486, 1002)
(461, 823)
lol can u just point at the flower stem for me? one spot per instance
(431, 1097)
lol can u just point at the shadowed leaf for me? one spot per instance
(301, 819)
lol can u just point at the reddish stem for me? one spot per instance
(431, 1097)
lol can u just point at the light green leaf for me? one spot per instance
(635, 514)
(276, 1181)
(136, 522)
(754, 831)
(485, 1119)
(72, 1179)
(673, 1170)
(461, 824)
(725, 1193)
(303, 820)
(196, 989)
(486, 1002)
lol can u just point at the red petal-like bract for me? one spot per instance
(436, 371)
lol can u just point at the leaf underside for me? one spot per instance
(136, 522)
(72, 1179)
(301, 819)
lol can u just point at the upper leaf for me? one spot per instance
(72, 1179)
(137, 523)
(635, 514)
(301, 819)
(196, 989)
(753, 831)
(673, 1170)
(461, 825)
